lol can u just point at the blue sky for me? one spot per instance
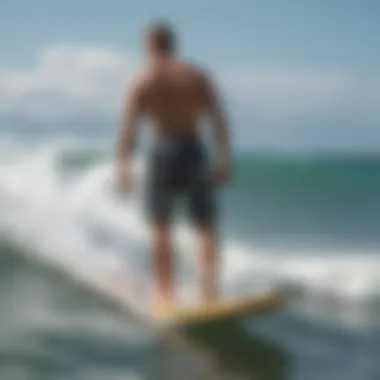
(313, 50)
(243, 32)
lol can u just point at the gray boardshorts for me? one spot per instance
(178, 169)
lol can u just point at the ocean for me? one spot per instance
(307, 222)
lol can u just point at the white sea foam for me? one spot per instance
(82, 222)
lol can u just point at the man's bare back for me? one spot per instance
(174, 95)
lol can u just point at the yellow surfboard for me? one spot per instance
(224, 309)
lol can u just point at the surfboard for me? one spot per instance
(223, 309)
(120, 291)
(187, 312)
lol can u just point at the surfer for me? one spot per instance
(173, 95)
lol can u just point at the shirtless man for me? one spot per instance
(173, 95)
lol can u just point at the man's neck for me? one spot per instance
(158, 59)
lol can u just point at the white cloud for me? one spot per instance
(283, 96)
(66, 81)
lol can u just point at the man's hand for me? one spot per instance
(132, 112)
(220, 173)
(220, 169)
(124, 181)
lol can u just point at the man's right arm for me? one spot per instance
(132, 112)
(219, 125)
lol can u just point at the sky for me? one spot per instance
(294, 74)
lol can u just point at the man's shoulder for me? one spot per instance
(197, 69)
(204, 79)
(140, 78)
(139, 83)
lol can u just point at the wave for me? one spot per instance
(59, 197)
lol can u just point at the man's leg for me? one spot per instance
(162, 260)
(160, 200)
(208, 262)
(202, 208)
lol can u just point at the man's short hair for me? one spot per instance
(161, 35)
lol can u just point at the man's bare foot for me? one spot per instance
(209, 292)
(209, 301)
(163, 306)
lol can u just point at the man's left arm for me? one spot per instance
(125, 143)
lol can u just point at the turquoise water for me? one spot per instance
(306, 200)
